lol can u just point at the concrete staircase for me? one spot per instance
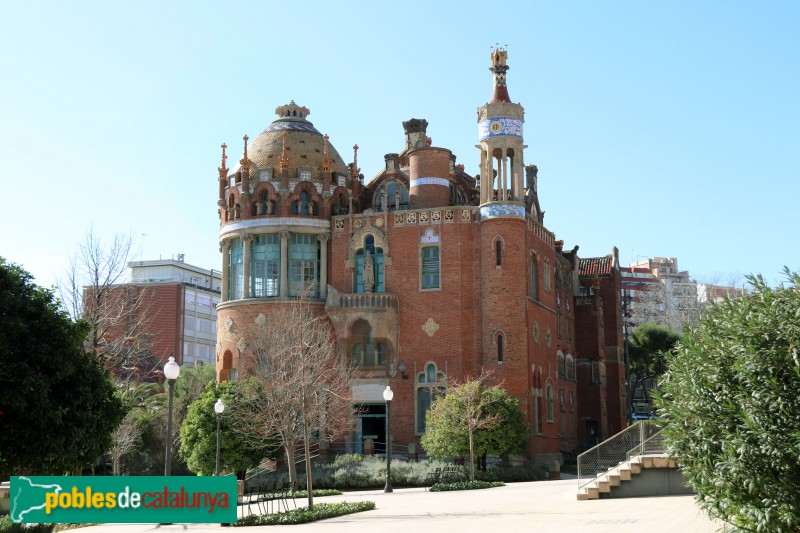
(624, 472)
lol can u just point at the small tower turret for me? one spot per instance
(500, 131)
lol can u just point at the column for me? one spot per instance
(323, 265)
(484, 175)
(226, 270)
(247, 241)
(505, 173)
(284, 264)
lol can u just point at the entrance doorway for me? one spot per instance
(370, 424)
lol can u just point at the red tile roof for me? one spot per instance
(596, 266)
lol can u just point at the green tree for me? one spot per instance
(199, 434)
(731, 408)
(474, 420)
(58, 405)
(648, 347)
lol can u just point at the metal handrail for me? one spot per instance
(598, 459)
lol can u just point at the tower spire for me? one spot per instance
(326, 162)
(355, 162)
(245, 162)
(499, 68)
(223, 170)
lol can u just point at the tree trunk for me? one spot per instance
(292, 465)
(471, 457)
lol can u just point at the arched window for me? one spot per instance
(396, 197)
(373, 281)
(457, 196)
(558, 315)
(341, 205)
(303, 206)
(366, 351)
(549, 399)
(499, 348)
(561, 370)
(429, 384)
(498, 248)
(533, 276)
(570, 367)
(227, 365)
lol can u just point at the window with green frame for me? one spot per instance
(265, 266)
(235, 270)
(303, 265)
(430, 267)
(428, 385)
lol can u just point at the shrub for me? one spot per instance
(731, 411)
(302, 515)
(465, 485)
(511, 474)
(369, 472)
(347, 460)
(6, 526)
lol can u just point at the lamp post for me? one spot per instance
(388, 395)
(218, 408)
(171, 372)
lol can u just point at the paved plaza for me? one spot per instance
(534, 506)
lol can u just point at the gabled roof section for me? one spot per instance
(596, 266)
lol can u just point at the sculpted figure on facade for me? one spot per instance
(368, 276)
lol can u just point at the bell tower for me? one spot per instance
(500, 133)
(504, 248)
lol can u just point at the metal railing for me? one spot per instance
(640, 438)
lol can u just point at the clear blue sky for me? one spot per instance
(662, 128)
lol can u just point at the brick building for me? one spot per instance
(426, 273)
(600, 349)
(180, 302)
(167, 309)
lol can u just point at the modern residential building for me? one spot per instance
(179, 301)
(427, 274)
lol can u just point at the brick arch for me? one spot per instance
(359, 237)
(225, 366)
(500, 344)
(272, 196)
(314, 197)
(334, 205)
(498, 248)
(308, 187)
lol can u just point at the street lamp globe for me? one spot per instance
(219, 407)
(171, 369)
(388, 394)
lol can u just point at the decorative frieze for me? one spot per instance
(255, 223)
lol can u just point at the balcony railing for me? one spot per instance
(375, 300)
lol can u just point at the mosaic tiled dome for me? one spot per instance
(304, 146)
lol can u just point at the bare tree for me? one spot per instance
(670, 304)
(299, 384)
(125, 439)
(95, 289)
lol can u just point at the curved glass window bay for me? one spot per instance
(265, 266)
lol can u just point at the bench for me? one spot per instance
(447, 474)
